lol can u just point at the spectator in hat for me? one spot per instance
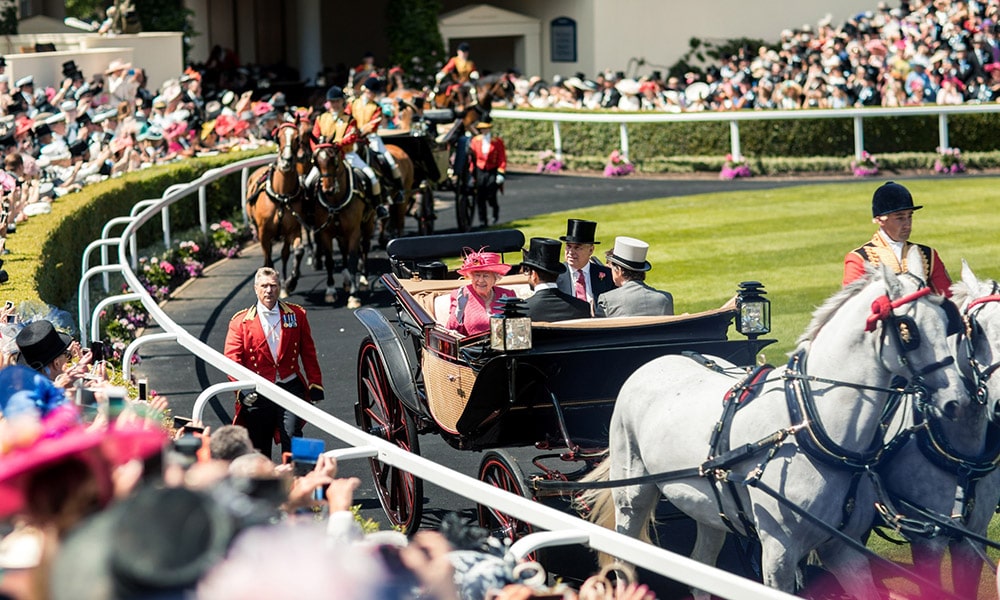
(25, 89)
(489, 168)
(44, 349)
(472, 304)
(633, 297)
(892, 212)
(542, 265)
(585, 278)
(122, 82)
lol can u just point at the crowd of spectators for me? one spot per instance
(101, 497)
(923, 52)
(93, 126)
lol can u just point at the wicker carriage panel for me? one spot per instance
(448, 387)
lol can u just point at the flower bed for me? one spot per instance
(949, 161)
(618, 165)
(734, 168)
(866, 167)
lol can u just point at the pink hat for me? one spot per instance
(60, 436)
(262, 108)
(483, 261)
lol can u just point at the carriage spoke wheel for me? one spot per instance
(381, 414)
(500, 469)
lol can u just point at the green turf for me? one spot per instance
(794, 241)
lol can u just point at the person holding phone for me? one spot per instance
(274, 340)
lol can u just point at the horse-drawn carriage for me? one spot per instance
(494, 392)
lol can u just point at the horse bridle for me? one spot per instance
(981, 375)
(326, 188)
(286, 163)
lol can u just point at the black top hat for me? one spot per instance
(42, 129)
(69, 68)
(78, 148)
(579, 231)
(543, 254)
(3, 61)
(7, 141)
(40, 344)
(891, 197)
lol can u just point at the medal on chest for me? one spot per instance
(288, 320)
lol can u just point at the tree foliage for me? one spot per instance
(8, 17)
(415, 42)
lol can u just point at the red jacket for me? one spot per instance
(877, 251)
(247, 345)
(495, 159)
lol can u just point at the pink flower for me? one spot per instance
(167, 267)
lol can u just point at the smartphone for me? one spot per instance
(116, 402)
(143, 389)
(97, 351)
(305, 454)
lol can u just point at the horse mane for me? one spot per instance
(490, 79)
(823, 314)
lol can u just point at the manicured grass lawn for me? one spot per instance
(793, 240)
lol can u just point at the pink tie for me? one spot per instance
(580, 288)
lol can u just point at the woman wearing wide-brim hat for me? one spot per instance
(472, 304)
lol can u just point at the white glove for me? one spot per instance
(499, 178)
(439, 76)
(474, 75)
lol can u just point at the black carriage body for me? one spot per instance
(559, 393)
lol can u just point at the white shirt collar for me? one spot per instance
(264, 310)
(545, 285)
(897, 247)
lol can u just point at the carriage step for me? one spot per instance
(544, 539)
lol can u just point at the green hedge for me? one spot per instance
(799, 138)
(46, 252)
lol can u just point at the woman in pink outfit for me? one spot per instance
(472, 304)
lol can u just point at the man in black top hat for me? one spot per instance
(585, 278)
(43, 348)
(549, 303)
(892, 211)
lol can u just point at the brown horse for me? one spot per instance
(341, 213)
(274, 204)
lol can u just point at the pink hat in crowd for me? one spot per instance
(31, 447)
(483, 261)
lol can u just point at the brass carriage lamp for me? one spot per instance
(510, 329)
(754, 309)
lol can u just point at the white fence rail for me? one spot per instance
(563, 528)
(734, 118)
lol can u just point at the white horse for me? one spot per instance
(879, 327)
(948, 466)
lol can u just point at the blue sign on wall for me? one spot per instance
(562, 33)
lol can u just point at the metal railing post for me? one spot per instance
(859, 137)
(83, 296)
(244, 177)
(203, 209)
(133, 348)
(943, 141)
(623, 133)
(557, 140)
(214, 390)
(734, 141)
(95, 317)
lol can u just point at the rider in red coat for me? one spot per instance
(892, 211)
(489, 166)
(273, 339)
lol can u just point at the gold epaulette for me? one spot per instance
(289, 304)
(247, 313)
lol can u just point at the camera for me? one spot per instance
(187, 426)
(116, 402)
(305, 455)
(187, 447)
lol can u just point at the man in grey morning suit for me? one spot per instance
(633, 297)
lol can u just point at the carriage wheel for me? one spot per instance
(500, 469)
(380, 413)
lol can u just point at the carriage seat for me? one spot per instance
(435, 295)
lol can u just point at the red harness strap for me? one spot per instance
(983, 300)
(882, 306)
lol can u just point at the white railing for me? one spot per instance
(858, 115)
(563, 528)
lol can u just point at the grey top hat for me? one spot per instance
(579, 231)
(40, 344)
(630, 253)
(543, 254)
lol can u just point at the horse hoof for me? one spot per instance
(363, 282)
(353, 302)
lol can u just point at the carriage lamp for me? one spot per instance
(510, 329)
(754, 310)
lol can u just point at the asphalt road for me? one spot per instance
(206, 304)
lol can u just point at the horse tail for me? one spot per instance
(598, 506)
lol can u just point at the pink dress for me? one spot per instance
(469, 314)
